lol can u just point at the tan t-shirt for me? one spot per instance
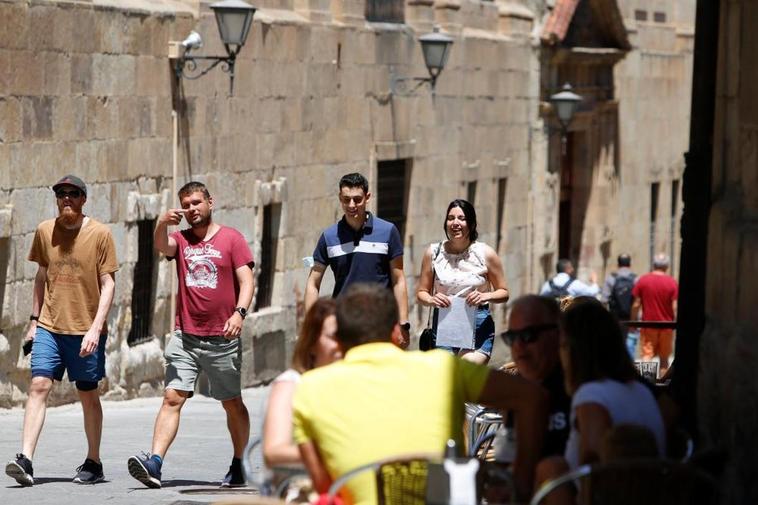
(75, 260)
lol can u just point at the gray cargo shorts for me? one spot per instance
(221, 359)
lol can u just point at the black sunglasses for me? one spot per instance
(526, 335)
(62, 193)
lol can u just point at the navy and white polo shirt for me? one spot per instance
(359, 256)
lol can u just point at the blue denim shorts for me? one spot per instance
(54, 353)
(484, 332)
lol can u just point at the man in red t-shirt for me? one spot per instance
(656, 293)
(215, 270)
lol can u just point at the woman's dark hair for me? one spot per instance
(302, 356)
(596, 344)
(469, 212)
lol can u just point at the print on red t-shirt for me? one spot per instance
(656, 292)
(208, 287)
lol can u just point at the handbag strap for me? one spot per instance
(434, 276)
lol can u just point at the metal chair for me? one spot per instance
(648, 481)
(482, 422)
(269, 481)
(400, 480)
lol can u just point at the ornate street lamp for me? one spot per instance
(435, 47)
(565, 103)
(234, 18)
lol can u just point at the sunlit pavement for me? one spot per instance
(194, 466)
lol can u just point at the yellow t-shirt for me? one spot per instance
(380, 402)
(75, 260)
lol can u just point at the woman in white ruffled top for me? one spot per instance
(465, 268)
(317, 346)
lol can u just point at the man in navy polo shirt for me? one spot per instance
(360, 247)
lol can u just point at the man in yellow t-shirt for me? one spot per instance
(73, 291)
(381, 402)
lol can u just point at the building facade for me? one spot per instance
(91, 91)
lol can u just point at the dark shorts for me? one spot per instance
(54, 353)
(484, 332)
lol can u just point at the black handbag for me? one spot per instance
(428, 339)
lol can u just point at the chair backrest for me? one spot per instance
(648, 481)
(253, 466)
(400, 480)
(269, 481)
(481, 423)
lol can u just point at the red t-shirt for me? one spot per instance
(208, 287)
(656, 292)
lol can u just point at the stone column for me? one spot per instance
(317, 11)
(349, 12)
(420, 15)
(447, 14)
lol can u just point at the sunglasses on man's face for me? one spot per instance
(62, 193)
(526, 335)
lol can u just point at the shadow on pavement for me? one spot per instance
(50, 480)
(220, 490)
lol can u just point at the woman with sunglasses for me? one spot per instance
(605, 390)
(464, 268)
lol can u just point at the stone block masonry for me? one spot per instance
(90, 92)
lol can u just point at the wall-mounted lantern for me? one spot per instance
(435, 47)
(234, 18)
(565, 103)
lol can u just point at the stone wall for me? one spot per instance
(729, 347)
(654, 91)
(90, 92)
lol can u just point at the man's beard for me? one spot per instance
(68, 216)
(203, 222)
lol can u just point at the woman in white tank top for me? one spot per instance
(467, 269)
(605, 389)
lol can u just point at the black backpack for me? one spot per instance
(620, 299)
(559, 292)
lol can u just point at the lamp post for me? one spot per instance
(234, 18)
(435, 47)
(565, 103)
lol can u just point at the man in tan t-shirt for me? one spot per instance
(73, 291)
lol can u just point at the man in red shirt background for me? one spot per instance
(656, 294)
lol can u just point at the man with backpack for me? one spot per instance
(565, 284)
(617, 293)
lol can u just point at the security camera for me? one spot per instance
(193, 41)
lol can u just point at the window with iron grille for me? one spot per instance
(385, 11)
(144, 282)
(502, 185)
(269, 245)
(659, 17)
(392, 192)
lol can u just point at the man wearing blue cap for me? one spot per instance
(73, 291)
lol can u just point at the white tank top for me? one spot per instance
(460, 274)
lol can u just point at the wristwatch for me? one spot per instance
(242, 311)
(406, 326)
(33, 318)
